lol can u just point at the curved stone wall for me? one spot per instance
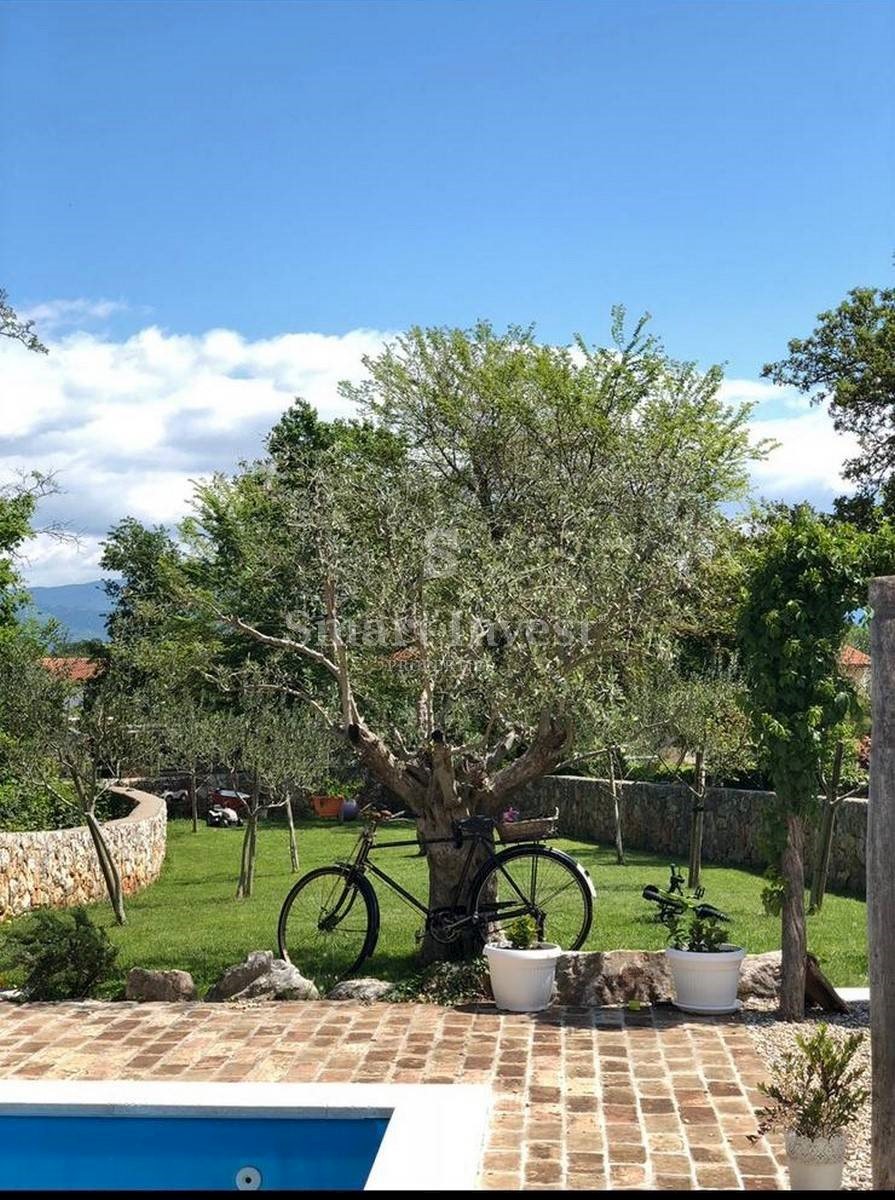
(59, 868)
(656, 816)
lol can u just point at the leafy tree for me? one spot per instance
(849, 360)
(806, 578)
(18, 331)
(450, 596)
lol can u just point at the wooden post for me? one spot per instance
(881, 881)
(697, 817)
(613, 788)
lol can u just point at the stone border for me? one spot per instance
(58, 868)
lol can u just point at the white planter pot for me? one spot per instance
(815, 1164)
(706, 983)
(522, 980)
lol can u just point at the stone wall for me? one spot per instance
(656, 817)
(59, 867)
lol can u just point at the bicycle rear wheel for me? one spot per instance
(329, 924)
(539, 882)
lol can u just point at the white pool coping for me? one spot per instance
(433, 1141)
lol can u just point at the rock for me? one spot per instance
(159, 985)
(263, 977)
(760, 976)
(617, 976)
(585, 977)
(363, 990)
(235, 978)
(12, 995)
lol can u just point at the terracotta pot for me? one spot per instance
(328, 807)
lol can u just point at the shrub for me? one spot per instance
(446, 983)
(816, 1091)
(63, 954)
(522, 933)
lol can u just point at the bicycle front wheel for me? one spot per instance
(538, 882)
(329, 924)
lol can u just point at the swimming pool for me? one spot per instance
(66, 1135)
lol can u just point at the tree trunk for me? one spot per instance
(795, 939)
(194, 806)
(616, 810)
(108, 867)
(825, 835)
(881, 882)
(446, 868)
(697, 817)
(290, 822)
(247, 865)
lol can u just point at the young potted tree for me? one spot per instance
(522, 973)
(816, 1093)
(705, 967)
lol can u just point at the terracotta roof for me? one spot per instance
(851, 656)
(78, 670)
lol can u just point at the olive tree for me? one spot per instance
(463, 580)
(88, 745)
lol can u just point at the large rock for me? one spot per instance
(586, 977)
(263, 977)
(159, 985)
(362, 990)
(616, 976)
(760, 976)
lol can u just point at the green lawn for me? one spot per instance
(190, 919)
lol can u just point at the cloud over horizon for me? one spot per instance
(126, 425)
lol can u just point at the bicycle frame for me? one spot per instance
(360, 863)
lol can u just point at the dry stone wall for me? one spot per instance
(58, 867)
(656, 817)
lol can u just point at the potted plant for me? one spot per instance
(331, 801)
(816, 1093)
(523, 972)
(705, 967)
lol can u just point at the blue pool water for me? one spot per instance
(64, 1153)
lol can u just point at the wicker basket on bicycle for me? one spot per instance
(530, 829)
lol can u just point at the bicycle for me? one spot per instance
(329, 923)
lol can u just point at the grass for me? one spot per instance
(190, 919)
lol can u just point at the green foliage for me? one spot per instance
(63, 955)
(19, 331)
(816, 1092)
(698, 927)
(448, 983)
(806, 577)
(849, 360)
(534, 466)
(522, 933)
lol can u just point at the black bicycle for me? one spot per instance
(329, 923)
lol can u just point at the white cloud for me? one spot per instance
(54, 315)
(126, 425)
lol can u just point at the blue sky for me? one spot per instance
(278, 169)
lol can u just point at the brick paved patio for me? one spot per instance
(581, 1098)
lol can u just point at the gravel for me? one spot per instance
(774, 1038)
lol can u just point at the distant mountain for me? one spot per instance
(79, 607)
